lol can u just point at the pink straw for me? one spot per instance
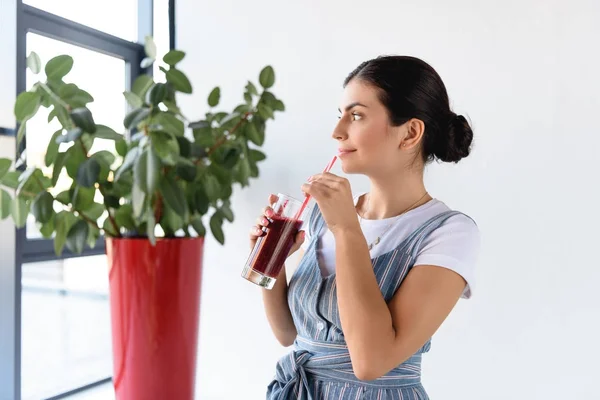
(307, 198)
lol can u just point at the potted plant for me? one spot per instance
(150, 199)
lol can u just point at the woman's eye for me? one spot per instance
(356, 117)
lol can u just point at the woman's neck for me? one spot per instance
(394, 195)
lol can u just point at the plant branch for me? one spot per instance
(225, 137)
(158, 208)
(39, 182)
(54, 96)
(85, 150)
(88, 219)
(110, 216)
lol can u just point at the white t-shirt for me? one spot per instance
(454, 245)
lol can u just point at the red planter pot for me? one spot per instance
(155, 301)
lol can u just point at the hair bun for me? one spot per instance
(460, 137)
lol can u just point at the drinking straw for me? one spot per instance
(307, 197)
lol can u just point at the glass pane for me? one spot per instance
(161, 35)
(66, 339)
(100, 75)
(116, 17)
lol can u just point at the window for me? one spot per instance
(60, 326)
(115, 17)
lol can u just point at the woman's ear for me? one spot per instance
(414, 130)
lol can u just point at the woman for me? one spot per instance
(381, 271)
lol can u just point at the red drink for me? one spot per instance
(271, 250)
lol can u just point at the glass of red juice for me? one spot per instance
(268, 256)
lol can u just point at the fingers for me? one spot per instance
(300, 236)
(273, 199)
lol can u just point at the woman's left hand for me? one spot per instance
(334, 197)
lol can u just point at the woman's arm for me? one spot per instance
(381, 336)
(278, 310)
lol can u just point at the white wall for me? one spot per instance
(527, 73)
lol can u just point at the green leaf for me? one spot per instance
(34, 63)
(242, 109)
(158, 93)
(74, 96)
(5, 164)
(243, 172)
(133, 99)
(93, 235)
(19, 211)
(265, 111)
(5, 205)
(267, 77)
(124, 217)
(279, 106)
(173, 57)
(179, 81)
(253, 134)
(11, 179)
(73, 159)
(212, 188)
(128, 162)
(147, 62)
(71, 136)
(47, 229)
(121, 147)
(140, 172)
(109, 229)
(150, 227)
(141, 85)
(153, 165)
(170, 123)
(173, 196)
(26, 105)
(64, 197)
(165, 146)
(135, 117)
(150, 47)
(42, 207)
(104, 132)
(214, 97)
(251, 89)
(83, 198)
(104, 157)
(227, 212)
(88, 172)
(59, 164)
(25, 178)
(58, 67)
(77, 237)
(94, 211)
(170, 221)
(63, 223)
(201, 201)
(216, 228)
(21, 131)
(198, 226)
(231, 120)
(82, 117)
(52, 149)
(186, 170)
(185, 146)
(256, 155)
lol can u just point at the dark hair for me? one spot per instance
(411, 88)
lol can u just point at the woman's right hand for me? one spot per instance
(263, 222)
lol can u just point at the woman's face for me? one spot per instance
(367, 143)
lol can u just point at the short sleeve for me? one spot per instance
(454, 245)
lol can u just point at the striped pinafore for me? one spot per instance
(319, 367)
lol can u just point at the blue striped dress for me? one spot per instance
(319, 367)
